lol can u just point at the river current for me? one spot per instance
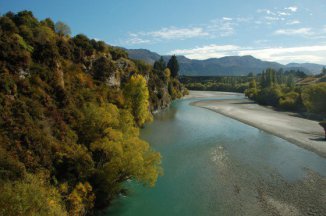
(214, 165)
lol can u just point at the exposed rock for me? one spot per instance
(59, 76)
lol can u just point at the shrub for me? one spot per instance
(290, 101)
(314, 98)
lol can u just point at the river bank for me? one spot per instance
(302, 132)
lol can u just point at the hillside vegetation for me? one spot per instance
(305, 94)
(70, 112)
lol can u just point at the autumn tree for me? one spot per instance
(137, 95)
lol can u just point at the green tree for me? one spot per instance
(159, 65)
(313, 97)
(46, 53)
(173, 65)
(103, 68)
(290, 101)
(85, 45)
(323, 71)
(25, 18)
(6, 24)
(62, 29)
(252, 91)
(49, 23)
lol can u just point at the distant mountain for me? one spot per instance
(312, 68)
(143, 54)
(229, 65)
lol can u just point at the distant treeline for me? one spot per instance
(290, 91)
(237, 83)
(214, 83)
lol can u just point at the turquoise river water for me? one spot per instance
(214, 165)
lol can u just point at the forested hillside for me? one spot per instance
(70, 112)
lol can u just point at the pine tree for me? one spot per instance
(160, 65)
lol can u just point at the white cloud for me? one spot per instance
(283, 14)
(222, 27)
(209, 51)
(275, 15)
(315, 54)
(292, 8)
(293, 22)
(227, 18)
(169, 33)
(177, 33)
(135, 39)
(299, 31)
(272, 18)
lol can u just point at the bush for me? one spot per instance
(269, 96)
(290, 101)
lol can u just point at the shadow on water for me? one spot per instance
(322, 139)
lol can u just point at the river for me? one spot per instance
(214, 165)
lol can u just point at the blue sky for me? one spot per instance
(276, 30)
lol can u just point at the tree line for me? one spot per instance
(283, 91)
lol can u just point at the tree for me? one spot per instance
(62, 29)
(251, 92)
(253, 84)
(173, 65)
(6, 24)
(83, 42)
(323, 71)
(290, 100)
(30, 197)
(160, 65)
(313, 97)
(46, 53)
(25, 18)
(103, 68)
(137, 95)
(167, 73)
(250, 74)
(49, 23)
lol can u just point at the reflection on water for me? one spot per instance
(214, 165)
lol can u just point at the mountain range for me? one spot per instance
(225, 66)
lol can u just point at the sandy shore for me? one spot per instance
(302, 132)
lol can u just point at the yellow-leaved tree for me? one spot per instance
(137, 95)
(118, 152)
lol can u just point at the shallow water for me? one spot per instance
(214, 165)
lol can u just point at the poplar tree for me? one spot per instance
(173, 65)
